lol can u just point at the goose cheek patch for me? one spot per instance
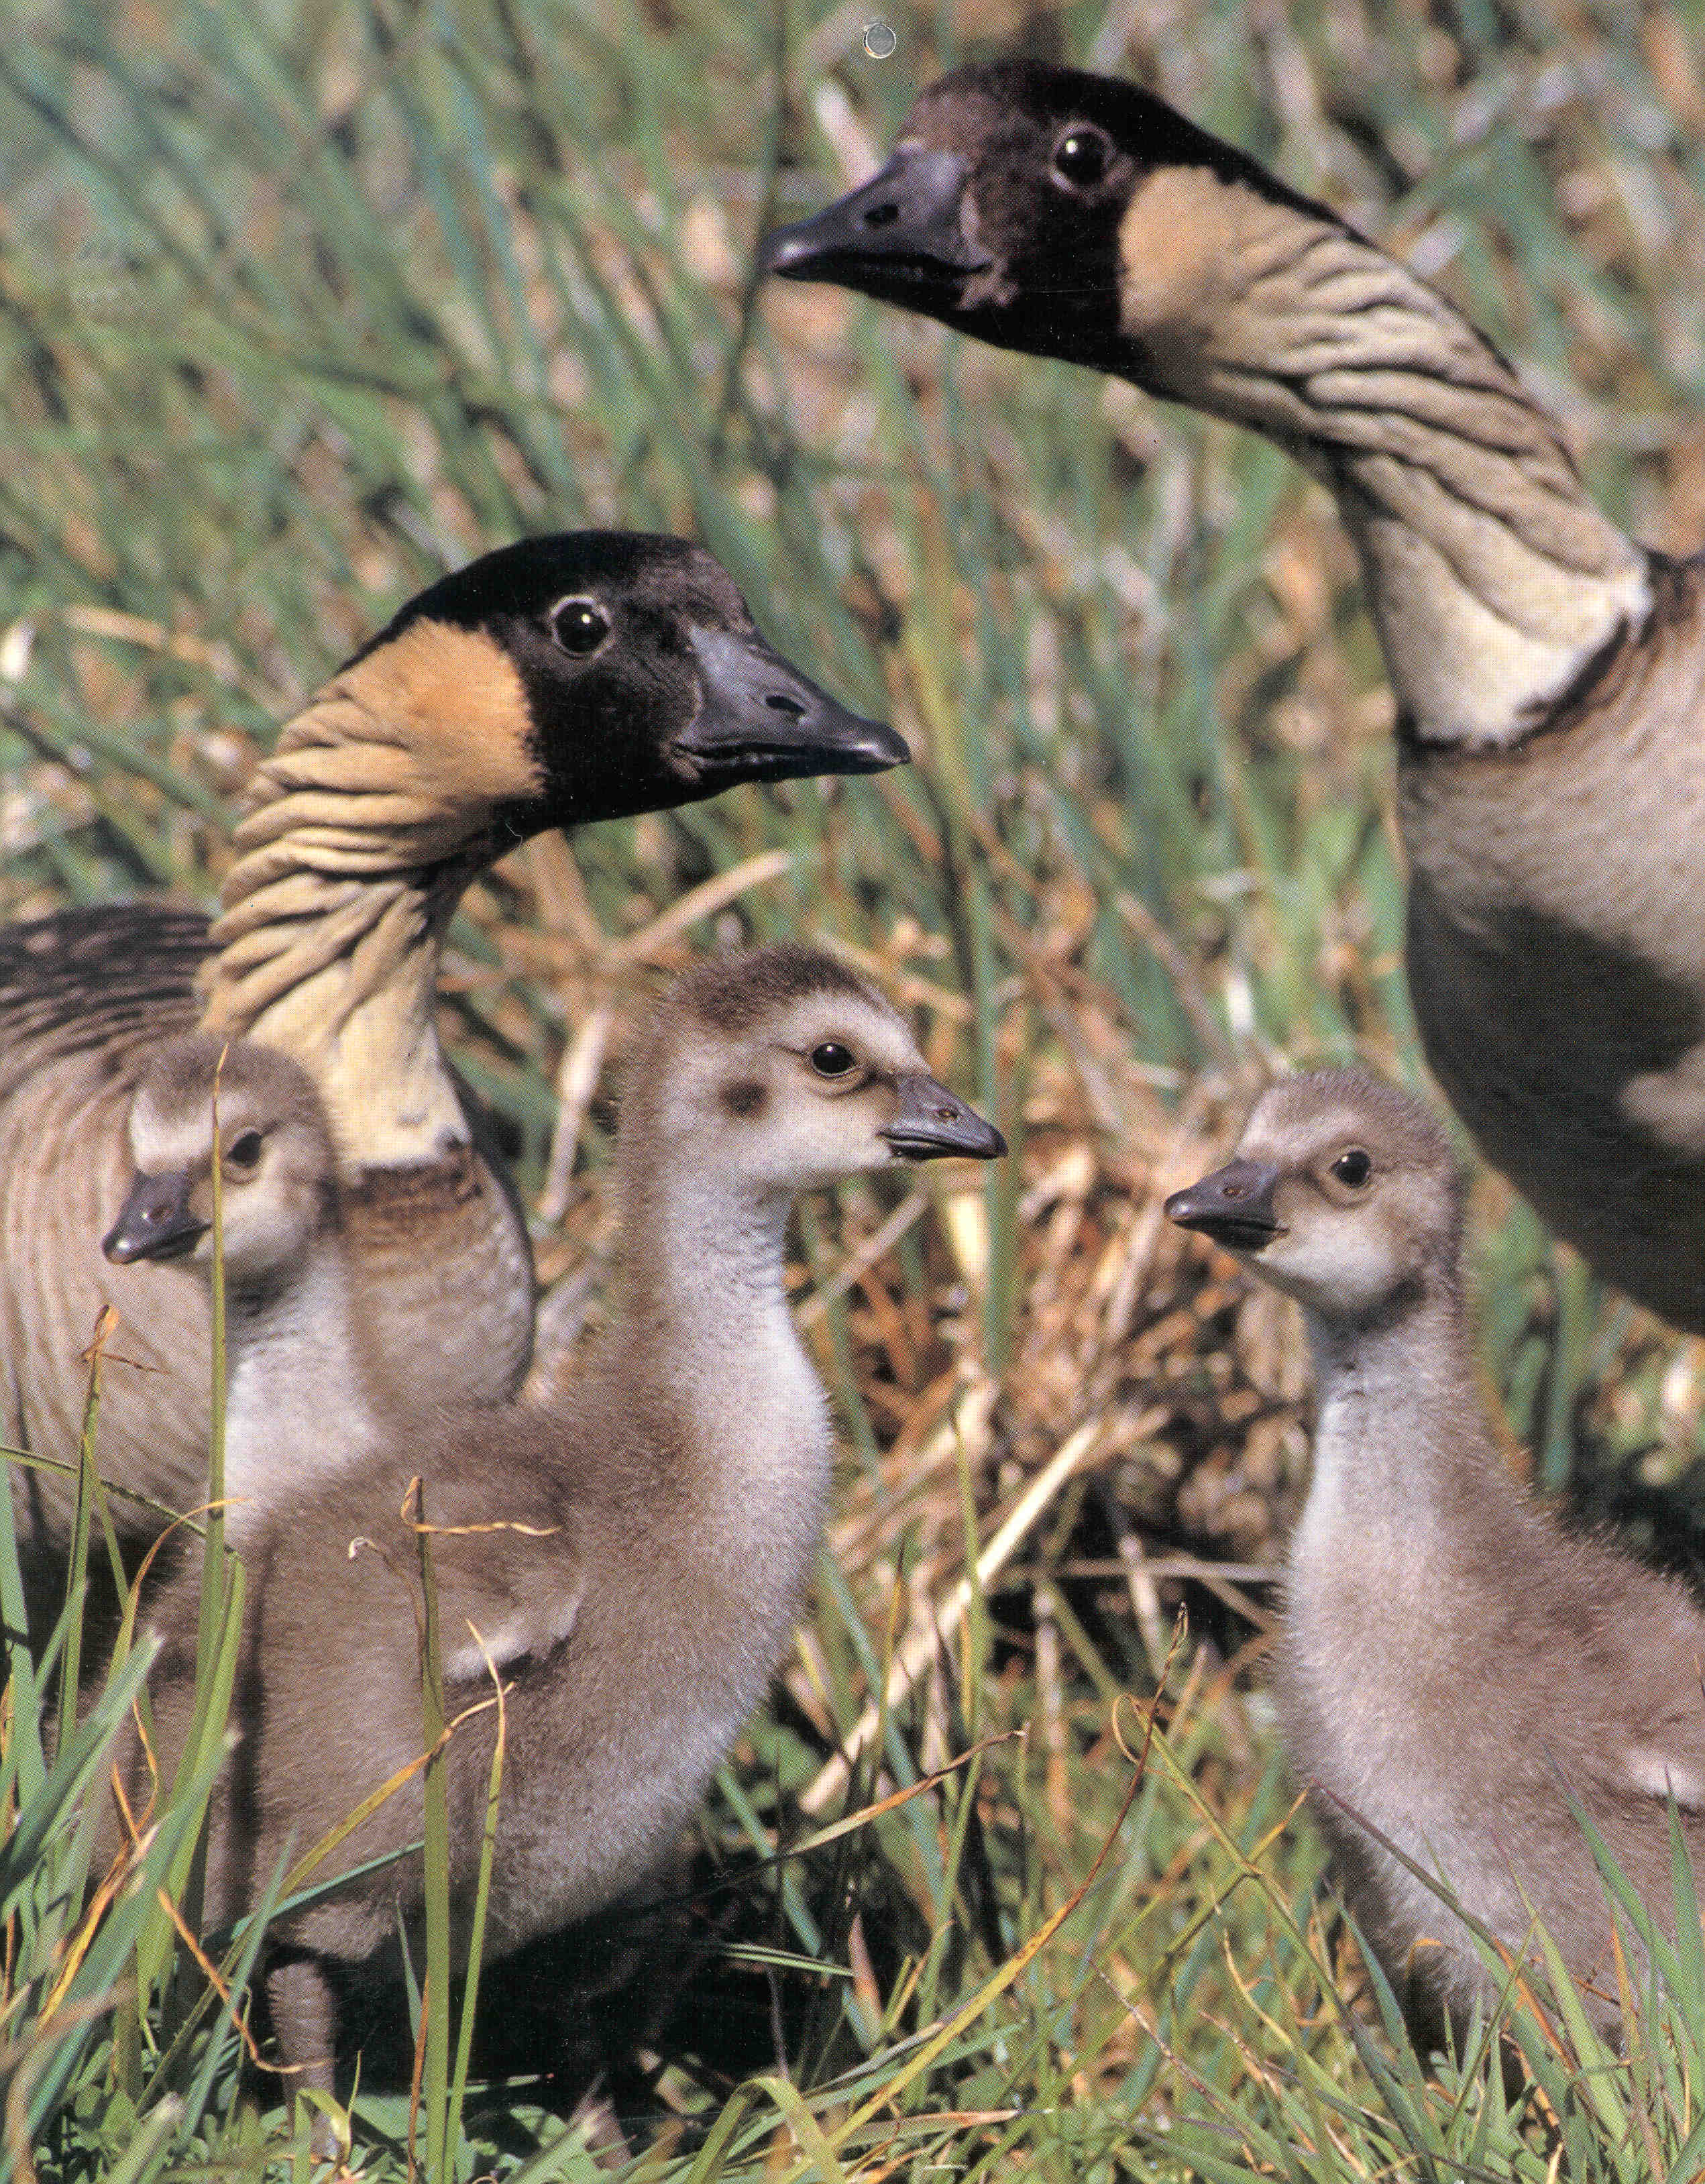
(464, 710)
(746, 1099)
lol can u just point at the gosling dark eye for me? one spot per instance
(244, 1151)
(1081, 157)
(831, 1059)
(578, 626)
(1353, 1168)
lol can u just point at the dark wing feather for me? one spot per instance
(117, 978)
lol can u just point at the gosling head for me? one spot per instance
(1344, 1193)
(277, 1163)
(1015, 209)
(785, 1070)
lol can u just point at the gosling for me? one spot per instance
(655, 1530)
(1453, 1667)
(300, 1369)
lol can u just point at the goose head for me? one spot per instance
(1344, 1193)
(784, 1070)
(277, 1164)
(584, 677)
(1018, 206)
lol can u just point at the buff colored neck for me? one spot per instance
(1493, 578)
(364, 829)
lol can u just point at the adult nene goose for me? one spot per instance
(1548, 671)
(555, 682)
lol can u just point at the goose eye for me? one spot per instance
(1081, 157)
(831, 1059)
(578, 626)
(244, 1151)
(1353, 1168)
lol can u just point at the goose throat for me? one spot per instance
(350, 865)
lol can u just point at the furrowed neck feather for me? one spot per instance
(1494, 580)
(379, 804)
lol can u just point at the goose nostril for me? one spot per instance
(880, 215)
(1231, 1191)
(791, 707)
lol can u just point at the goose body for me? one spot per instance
(556, 681)
(1451, 1667)
(1549, 673)
(654, 1532)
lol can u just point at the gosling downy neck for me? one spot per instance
(763, 1075)
(298, 1399)
(708, 1334)
(1401, 1443)
(1069, 215)
(705, 1336)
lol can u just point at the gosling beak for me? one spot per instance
(931, 1123)
(1234, 1206)
(902, 232)
(759, 719)
(155, 1222)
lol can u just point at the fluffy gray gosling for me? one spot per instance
(300, 1376)
(655, 1529)
(1450, 1659)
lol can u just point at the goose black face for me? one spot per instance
(646, 682)
(1000, 211)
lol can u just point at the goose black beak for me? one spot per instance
(902, 232)
(932, 1123)
(759, 719)
(155, 1221)
(1234, 1206)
